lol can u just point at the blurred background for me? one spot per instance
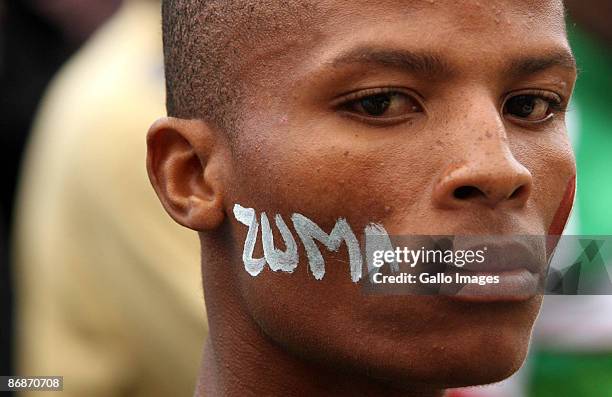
(80, 82)
(36, 38)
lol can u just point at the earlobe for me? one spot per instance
(183, 167)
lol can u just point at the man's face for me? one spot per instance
(428, 117)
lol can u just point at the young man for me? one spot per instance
(427, 117)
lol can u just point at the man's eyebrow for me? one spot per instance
(423, 62)
(535, 64)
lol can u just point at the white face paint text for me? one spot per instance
(308, 231)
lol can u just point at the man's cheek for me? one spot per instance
(564, 209)
(554, 168)
(323, 187)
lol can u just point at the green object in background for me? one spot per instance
(572, 373)
(558, 374)
(593, 98)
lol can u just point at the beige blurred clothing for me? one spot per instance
(108, 287)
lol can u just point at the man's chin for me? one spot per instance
(453, 372)
(486, 357)
(476, 354)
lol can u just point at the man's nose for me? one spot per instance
(492, 177)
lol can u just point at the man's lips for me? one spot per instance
(508, 267)
(507, 256)
(519, 267)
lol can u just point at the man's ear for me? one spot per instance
(184, 167)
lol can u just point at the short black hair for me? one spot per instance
(204, 48)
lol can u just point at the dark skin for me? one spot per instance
(376, 122)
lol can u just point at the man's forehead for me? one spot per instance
(473, 14)
(527, 6)
(422, 19)
(492, 31)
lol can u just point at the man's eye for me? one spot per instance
(383, 106)
(531, 108)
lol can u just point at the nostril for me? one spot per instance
(467, 192)
(518, 192)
